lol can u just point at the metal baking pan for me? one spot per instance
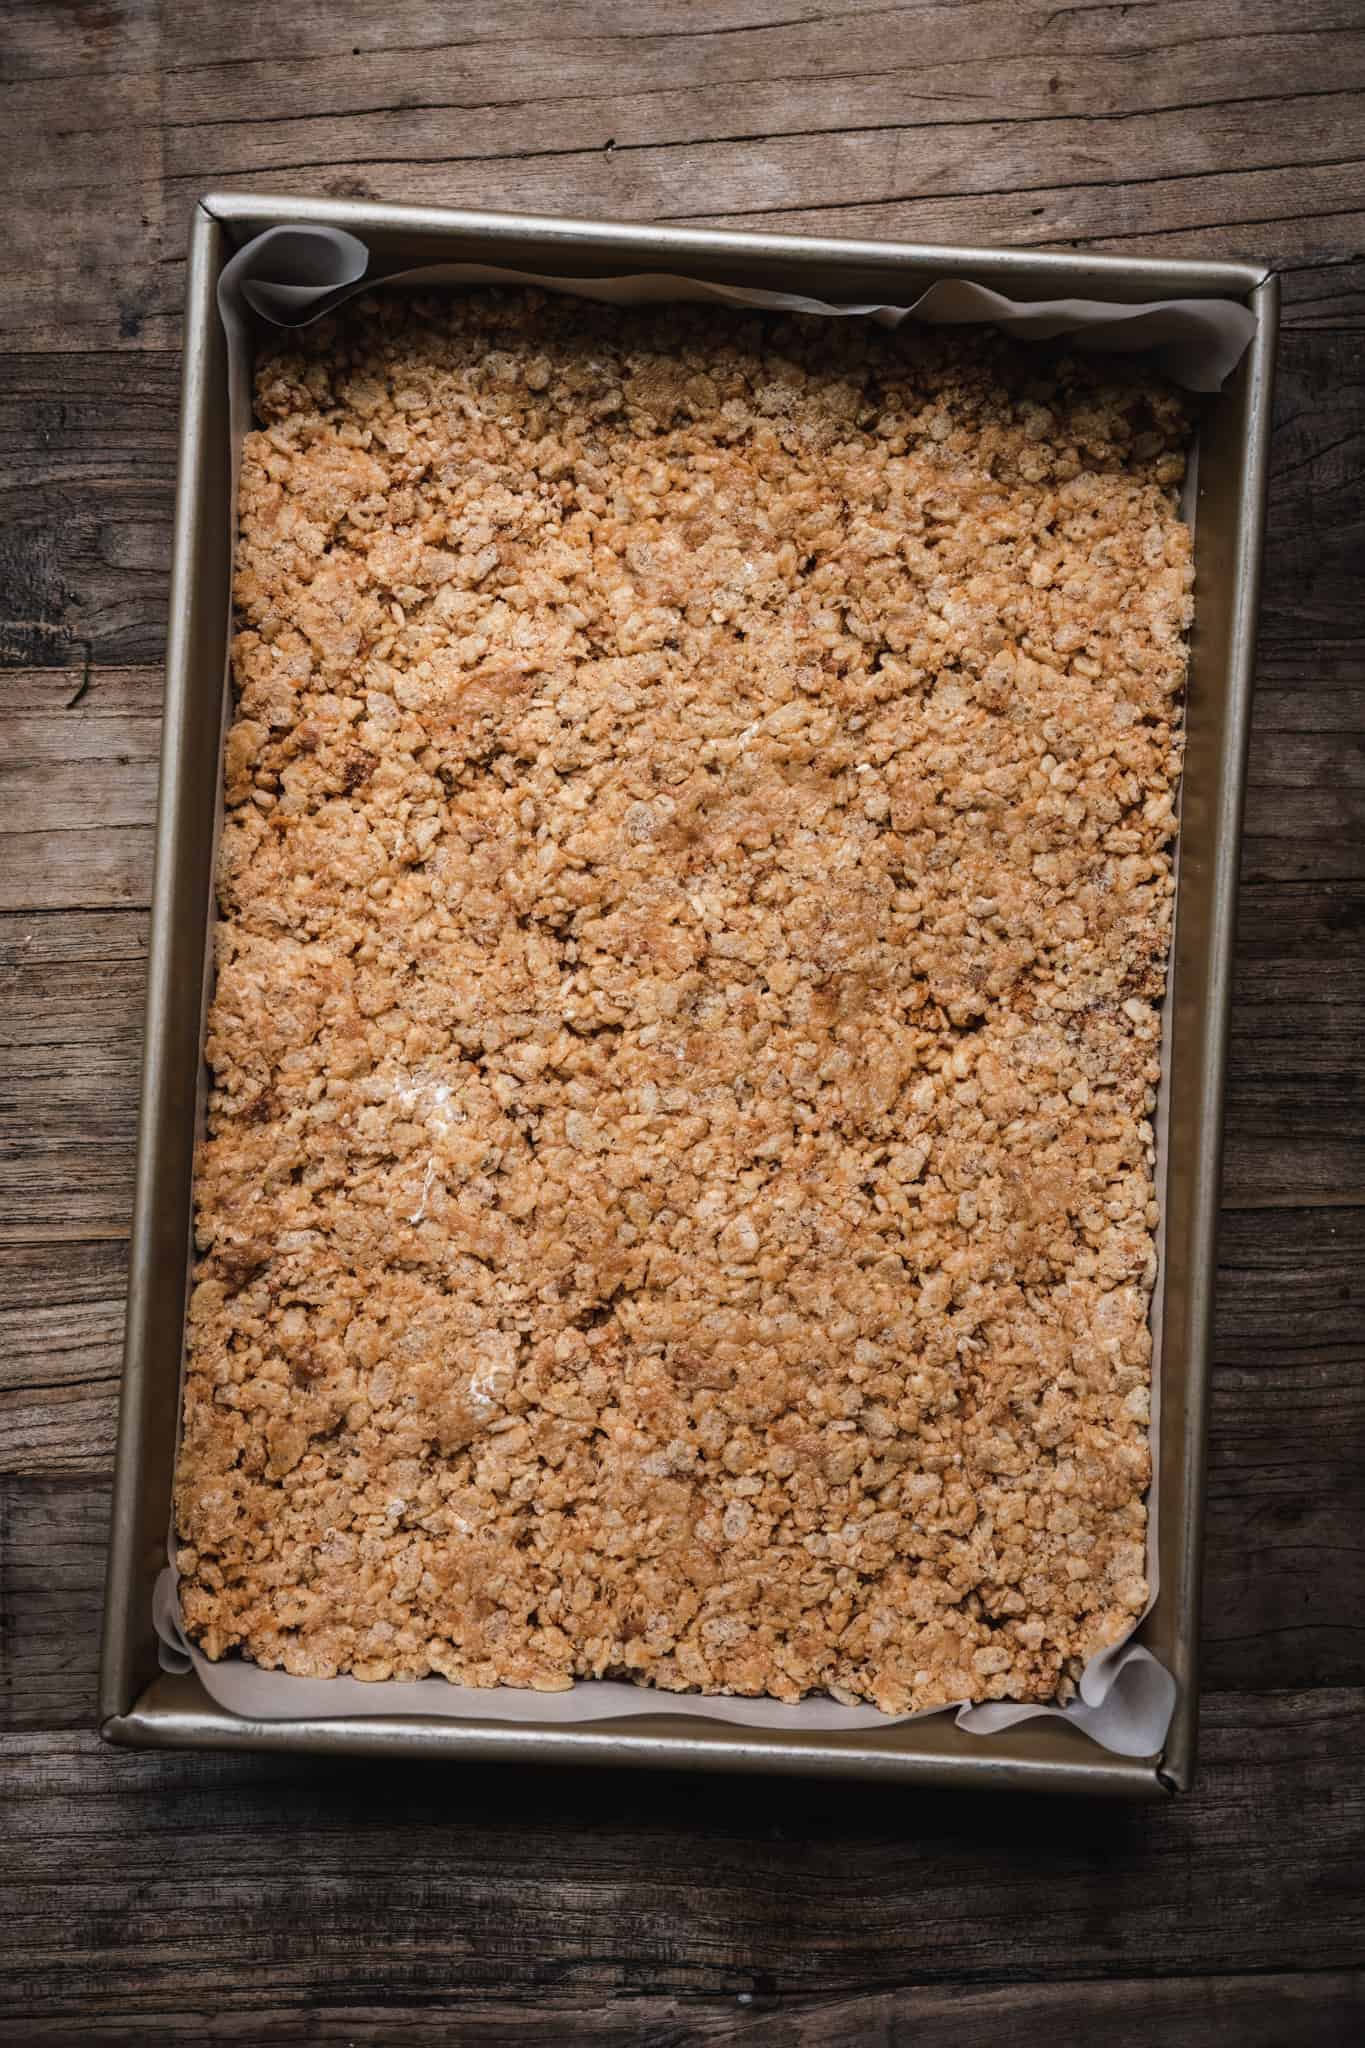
(145, 1708)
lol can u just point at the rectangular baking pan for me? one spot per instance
(145, 1708)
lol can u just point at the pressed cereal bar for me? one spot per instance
(694, 896)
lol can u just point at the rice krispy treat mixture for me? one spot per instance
(695, 895)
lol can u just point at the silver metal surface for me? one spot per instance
(142, 1707)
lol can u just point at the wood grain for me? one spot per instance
(80, 107)
(250, 1900)
(71, 1037)
(53, 1535)
(87, 444)
(232, 1886)
(1303, 2009)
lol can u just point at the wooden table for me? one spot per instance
(192, 1898)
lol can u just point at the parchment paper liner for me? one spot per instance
(291, 276)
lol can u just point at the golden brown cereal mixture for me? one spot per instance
(695, 894)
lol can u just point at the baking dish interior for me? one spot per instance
(141, 1705)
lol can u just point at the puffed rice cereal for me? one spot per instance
(695, 893)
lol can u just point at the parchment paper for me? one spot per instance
(291, 276)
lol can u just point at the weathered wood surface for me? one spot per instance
(669, 1909)
(1284, 2010)
(151, 1899)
